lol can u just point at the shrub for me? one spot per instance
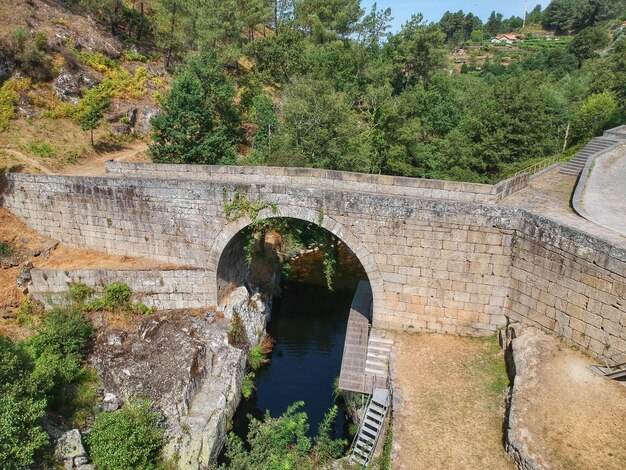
(78, 402)
(97, 61)
(79, 292)
(237, 333)
(41, 40)
(116, 295)
(141, 308)
(247, 385)
(36, 64)
(27, 310)
(595, 114)
(127, 438)
(5, 250)
(283, 443)
(258, 354)
(20, 435)
(8, 100)
(19, 36)
(66, 333)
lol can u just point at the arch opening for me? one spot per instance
(232, 270)
(309, 320)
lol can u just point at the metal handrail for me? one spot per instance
(536, 167)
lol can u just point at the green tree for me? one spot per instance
(589, 42)
(282, 443)
(320, 129)
(564, 15)
(92, 108)
(494, 24)
(127, 438)
(418, 51)
(279, 57)
(263, 116)
(199, 123)
(325, 20)
(595, 114)
(535, 16)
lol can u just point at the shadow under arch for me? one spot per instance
(343, 233)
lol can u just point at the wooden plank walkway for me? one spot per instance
(352, 376)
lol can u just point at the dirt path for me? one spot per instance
(94, 166)
(29, 162)
(452, 403)
(87, 166)
(569, 417)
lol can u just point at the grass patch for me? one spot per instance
(77, 405)
(42, 149)
(9, 95)
(491, 366)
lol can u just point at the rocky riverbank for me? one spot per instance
(183, 362)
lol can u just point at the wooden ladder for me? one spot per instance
(370, 428)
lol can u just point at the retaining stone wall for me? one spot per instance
(161, 289)
(571, 284)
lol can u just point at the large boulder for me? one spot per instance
(7, 64)
(70, 446)
(183, 362)
(71, 81)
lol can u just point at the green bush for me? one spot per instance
(20, 435)
(116, 295)
(66, 333)
(283, 443)
(78, 402)
(128, 438)
(247, 385)
(5, 250)
(79, 292)
(141, 309)
(43, 372)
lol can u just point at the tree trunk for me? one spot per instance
(171, 45)
(566, 136)
(91, 131)
(276, 17)
(140, 28)
(129, 30)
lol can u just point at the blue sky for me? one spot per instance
(433, 10)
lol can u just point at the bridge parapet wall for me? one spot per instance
(325, 179)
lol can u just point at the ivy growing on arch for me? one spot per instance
(298, 234)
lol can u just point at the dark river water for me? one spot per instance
(309, 325)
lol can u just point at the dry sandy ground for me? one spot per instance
(92, 165)
(452, 403)
(25, 242)
(575, 418)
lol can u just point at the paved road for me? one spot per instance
(550, 194)
(604, 194)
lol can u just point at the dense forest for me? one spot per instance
(324, 83)
(328, 86)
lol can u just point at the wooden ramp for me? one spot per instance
(352, 376)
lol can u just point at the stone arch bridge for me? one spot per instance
(440, 256)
